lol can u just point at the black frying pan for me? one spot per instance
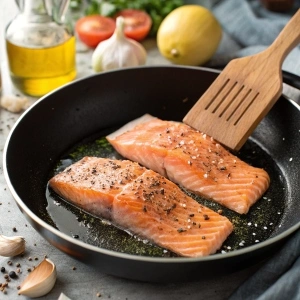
(92, 107)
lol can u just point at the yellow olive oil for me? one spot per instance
(37, 71)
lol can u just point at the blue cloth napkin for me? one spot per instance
(248, 28)
(278, 278)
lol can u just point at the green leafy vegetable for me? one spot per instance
(157, 9)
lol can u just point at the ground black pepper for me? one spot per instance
(206, 217)
(2, 269)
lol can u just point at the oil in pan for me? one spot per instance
(258, 225)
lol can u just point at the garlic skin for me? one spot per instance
(11, 246)
(40, 281)
(118, 51)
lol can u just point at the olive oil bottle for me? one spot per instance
(40, 48)
(37, 71)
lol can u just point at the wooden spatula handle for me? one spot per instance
(287, 39)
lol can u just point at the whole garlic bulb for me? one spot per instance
(118, 51)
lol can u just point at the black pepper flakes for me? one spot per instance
(180, 230)
(206, 217)
(2, 269)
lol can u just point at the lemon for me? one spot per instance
(189, 35)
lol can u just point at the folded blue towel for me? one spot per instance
(278, 278)
(248, 28)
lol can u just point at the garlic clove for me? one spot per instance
(40, 281)
(11, 246)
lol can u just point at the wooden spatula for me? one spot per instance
(244, 92)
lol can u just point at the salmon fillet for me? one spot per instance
(143, 202)
(193, 160)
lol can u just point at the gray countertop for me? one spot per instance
(75, 279)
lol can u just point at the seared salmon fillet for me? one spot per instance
(193, 160)
(143, 202)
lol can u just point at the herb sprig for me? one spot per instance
(157, 9)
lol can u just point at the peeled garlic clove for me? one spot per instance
(40, 281)
(11, 246)
(118, 51)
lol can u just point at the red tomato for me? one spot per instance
(94, 29)
(137, 23)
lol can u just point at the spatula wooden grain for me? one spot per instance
(244, 92)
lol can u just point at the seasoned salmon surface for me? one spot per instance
(143, 202)
(192, 159)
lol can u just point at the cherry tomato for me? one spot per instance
(94, 29)
(137, 23)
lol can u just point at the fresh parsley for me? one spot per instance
(157, 9)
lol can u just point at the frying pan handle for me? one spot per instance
(291, 79)
(291, 87)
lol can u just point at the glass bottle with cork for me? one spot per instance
(40, 47)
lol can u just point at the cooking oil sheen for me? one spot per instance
(37, 71)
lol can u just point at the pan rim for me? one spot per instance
(219, 256)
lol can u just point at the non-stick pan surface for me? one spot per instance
(97, 104)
